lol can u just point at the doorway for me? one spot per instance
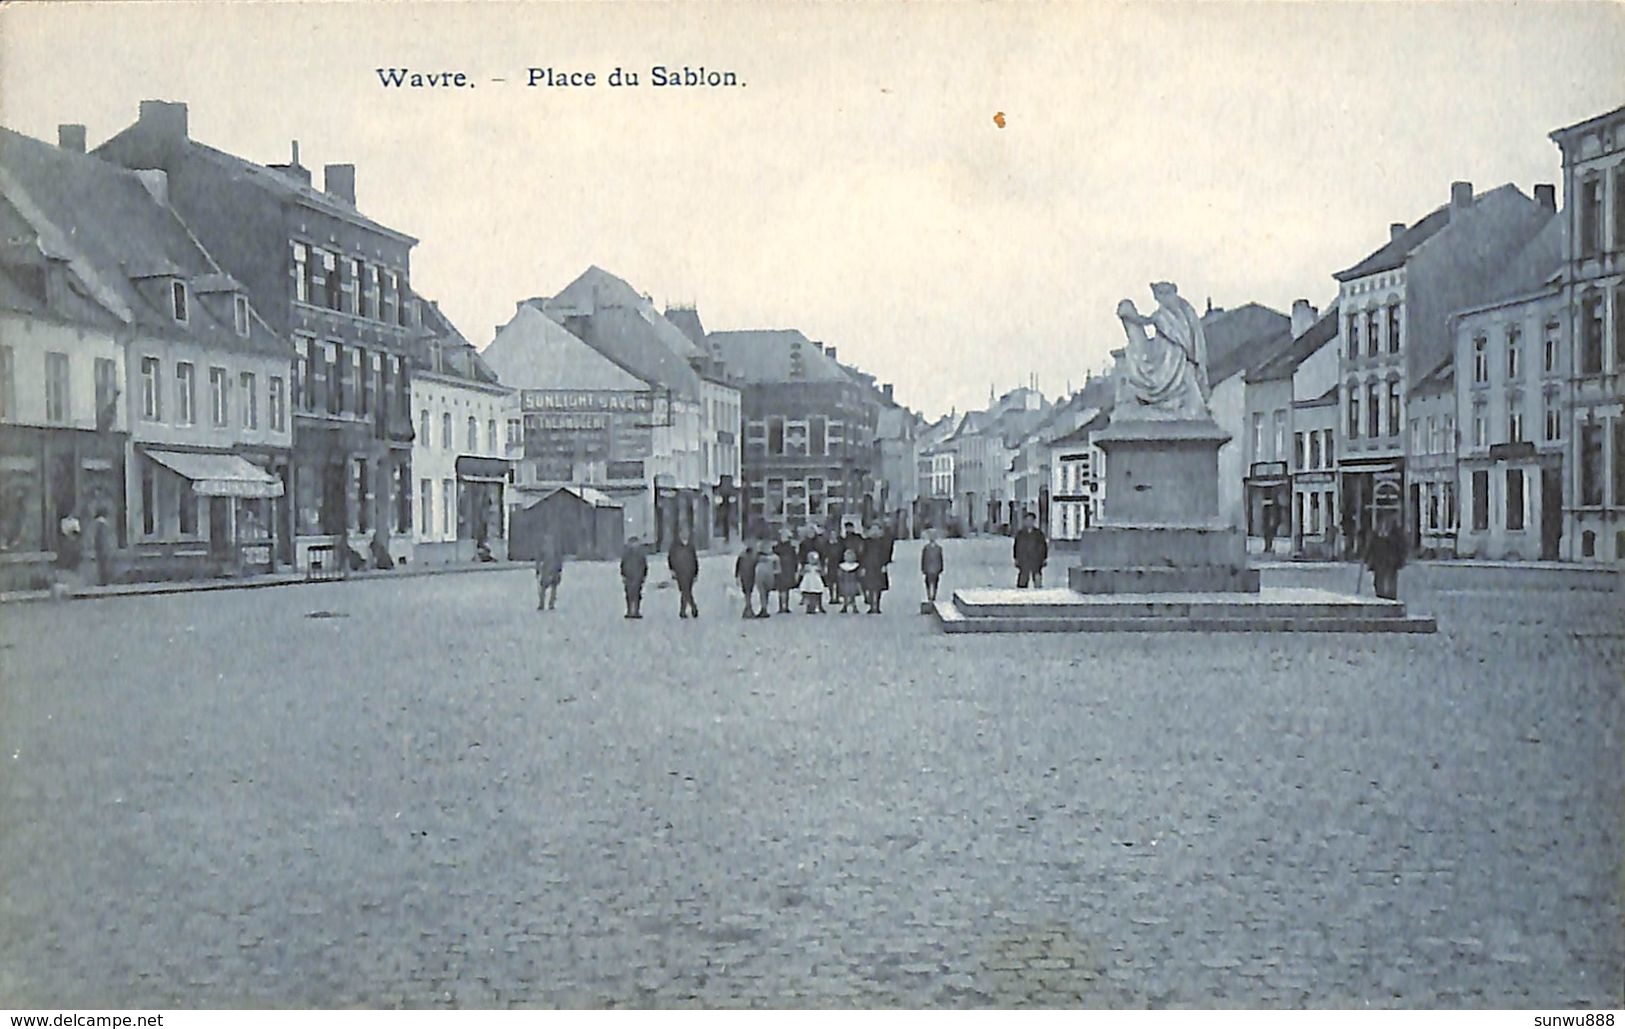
(220, 529)
(1551, 513)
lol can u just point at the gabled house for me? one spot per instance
(810, 457)
(332, 282)
(177, 423)
(1394, 307)
(608, 399)
(460, 448)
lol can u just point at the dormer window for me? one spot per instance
(177, 292)
(240, 310)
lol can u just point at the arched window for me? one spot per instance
(1353, 391)
(473, 434)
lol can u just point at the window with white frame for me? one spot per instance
(1481, 359)
(251, 401)
(1515, 425)
(516, 434)
(1549, 344)
(445, 430)
(152, 401)
(178, 301)
(473, 434)
(239, 309)
(301, 272)
(219, 397)
(1554, 418)
(1514, 343)
(185, 393)
(276, 403)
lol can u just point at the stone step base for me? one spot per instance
(1270, 610)
(1184, 579)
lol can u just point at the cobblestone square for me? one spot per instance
(426, 793)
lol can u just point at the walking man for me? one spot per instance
(1031, 553)
(634, 569)
(549, 570)
(684, 563)
(931, 564)
(745, 574)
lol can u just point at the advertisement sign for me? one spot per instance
(575, 426)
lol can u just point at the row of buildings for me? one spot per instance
(1469, 374)
(228, 360)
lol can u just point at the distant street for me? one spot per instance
(428, 793)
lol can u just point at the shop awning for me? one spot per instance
(482, 469)
(219, 475)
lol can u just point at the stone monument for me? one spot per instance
(1161, 529)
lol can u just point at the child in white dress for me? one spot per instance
(812, 585)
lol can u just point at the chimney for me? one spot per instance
(1546, 196)
(156, 180)
(1395, 229)
(1461, 196)
(293, 169)
(1303, 316)
(885, 391)
(339, 181)
(72, 137)
(164, 118)
(830, 352)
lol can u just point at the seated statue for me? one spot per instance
(1163, 376)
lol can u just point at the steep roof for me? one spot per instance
(532, 351)
(458, 357)
(1438, 381)
(765, 355)
(1294, 352)
(102, 220)
(1240, 338)
(619, 322)
(1536, 267)
(1396, 251)
(281, 180)
(687, 320)
(1082, 433)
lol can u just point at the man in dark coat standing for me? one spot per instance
(105, 543)
(1385, 556)
(833, 551)
(634, 570)
(1031, 552)
(789, 566)
(684, 563)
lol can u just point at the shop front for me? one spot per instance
(1269, 511)
(205, 513)
(46, 475)
(1315, 533)
(1361, 483)
(482, 531)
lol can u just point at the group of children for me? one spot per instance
(760, 570)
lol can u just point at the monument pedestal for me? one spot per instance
(1160, 527)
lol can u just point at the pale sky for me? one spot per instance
(857, 187)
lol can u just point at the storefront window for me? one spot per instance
(308, 499)
(22, 501)
(254, 519)
(188, 510)
(1591, 464)
(402, 496)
